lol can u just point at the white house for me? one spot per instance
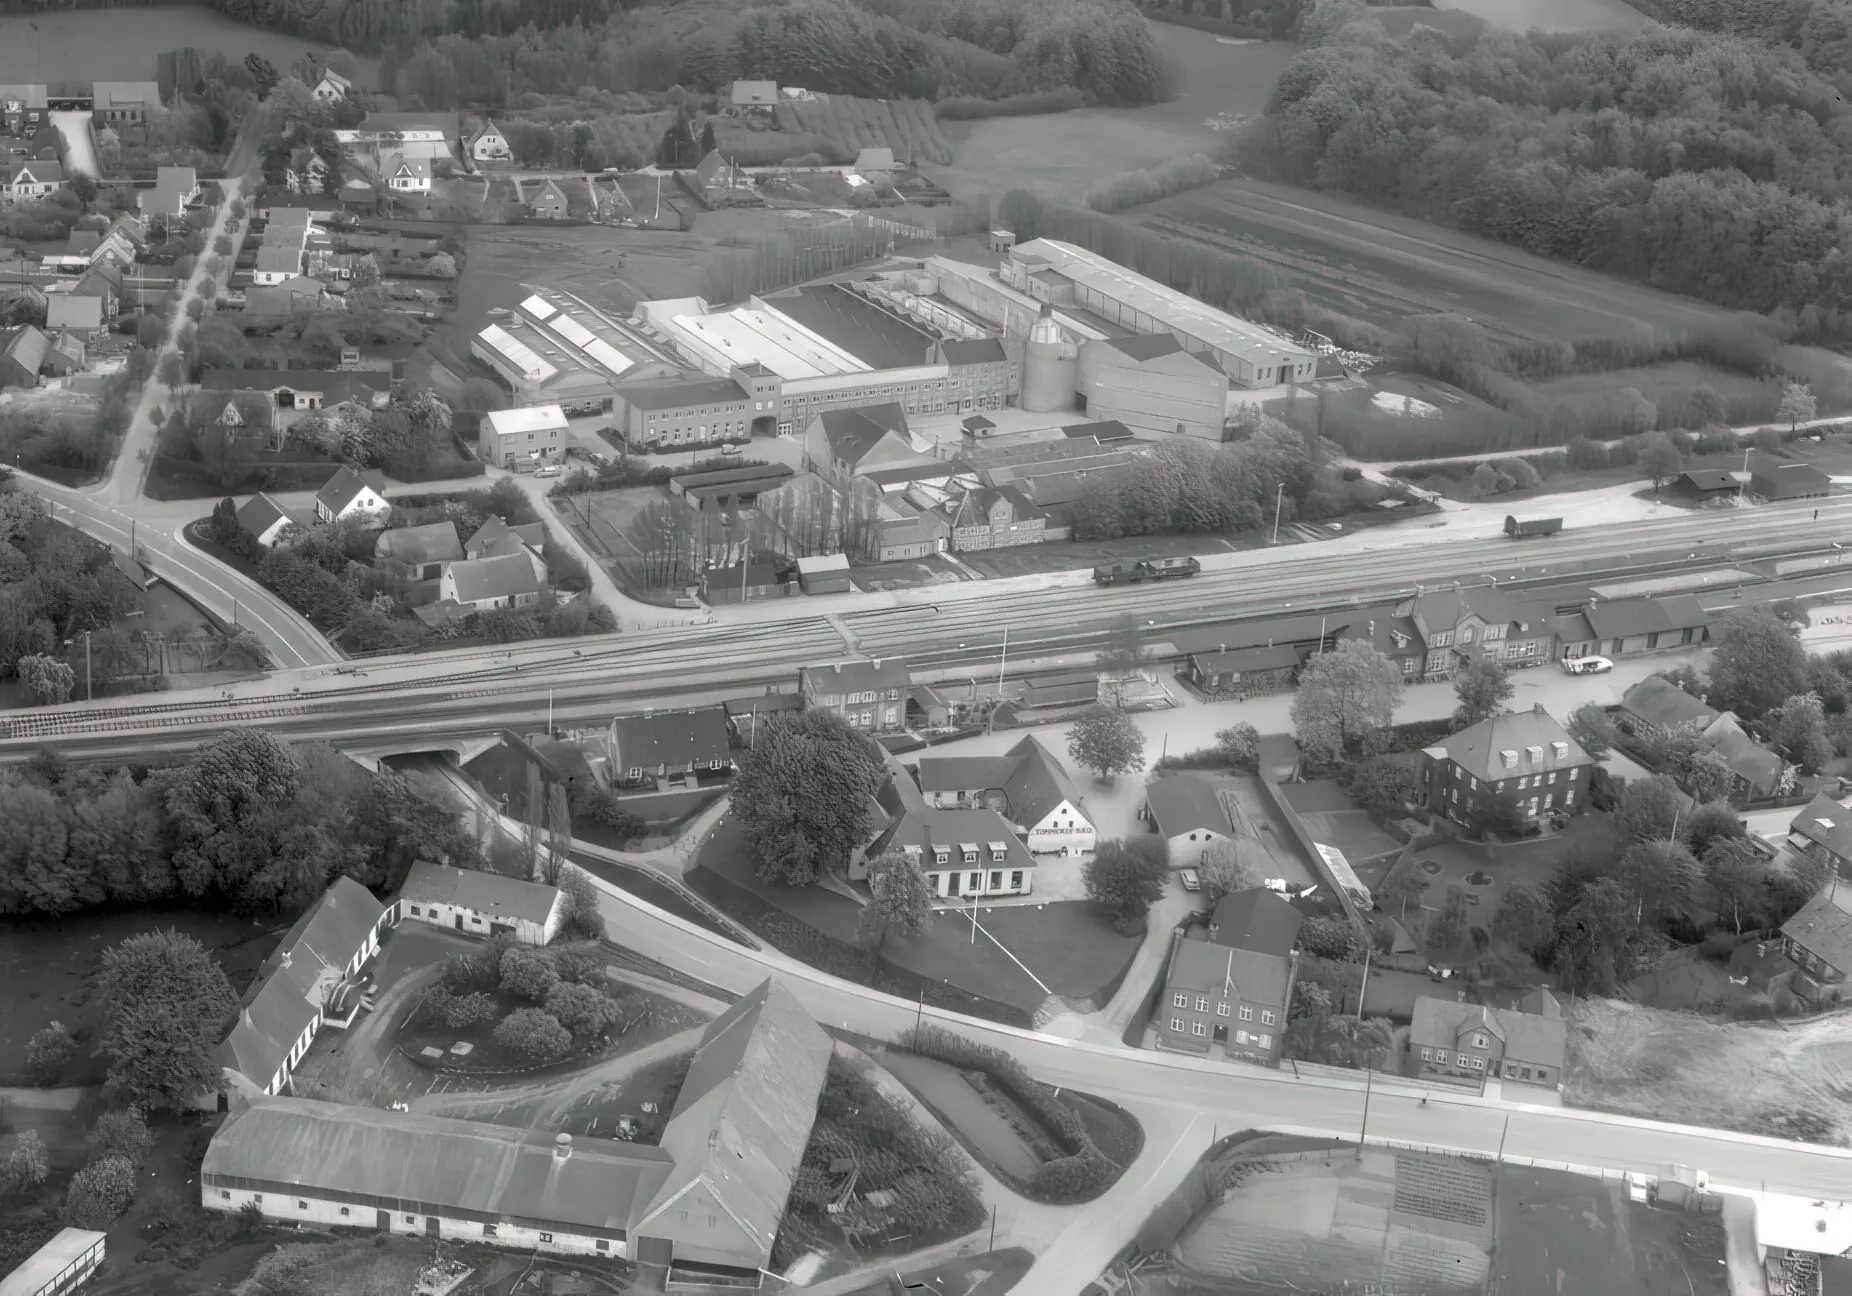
(28, 180)
(332, 87)
(1187, 811)
(309, 980)
(352, 494)
(490, 145)
(406, 174)
(1027, 784)
(482, 904)
(484, 584)
(264, 518)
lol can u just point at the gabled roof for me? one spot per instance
(550, 192)
(1439, 611)
(447, 122)
(1198, 964)
(755, 94)
(254, 410)
(259, 513)
(279, 260)
(37, 171)
(83, 242)
(503, 576)
(1183, 803)
(964, 773)
(973, 351)
(495, 538)
(1255, 919)
(875, 159)
(858, 676)
(953, 829)
(67, 310)
(432, 542)
(1277, 657)
(345, 486)
(1661, 702)
(1746, 758)
(670, 738)
(1623, 618)
(483, 893)
(28, 348)
(291, 987)
(1779, 479)
(492, 1172)
(1709, 479)
(675, 393)
(743, 1116)
(1038, 784)
(852, 433)
(1825, 821)
(1528, 1037)
(1533, 738)
(1823, 926)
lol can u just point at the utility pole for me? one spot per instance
(1279, 497)
(88, 695)
(1369, 1076)
(1363, 987)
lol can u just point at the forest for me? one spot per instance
(1709, 164)
(1820, 29)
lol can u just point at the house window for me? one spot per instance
(1427, 1055)
(1247, 1013)
(1479, 1041)
(225, 1193)
(1266, 1017)
(1202, 1004)
(1016, 880)
(1241, 1037)
(996, 880)
(1180, 1000)
(1569, 797)
(1266, 1041)
(1478, 1064)
(1463, 1059)
(302, 1205)
(1542, 1073)
(343, 1210)
(1221, 1008)
(1199, 1028)
(1524, 1072)
(488, 1230)
(603, 1245)
(411, 1219)
(1552, 778)
(546, 1237)
(1176, 1023)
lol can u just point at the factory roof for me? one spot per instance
(764, 335)
(879, 338)
(679, 393)
(516, 353)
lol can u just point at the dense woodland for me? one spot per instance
(1710, 164)
(1820, 29)
(249, 823)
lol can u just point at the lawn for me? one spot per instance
(1069, 947)
(1784, 1081)
(1403, 416)
(952, 1098)
(1334, 820)
(48, 963)
(120, 44)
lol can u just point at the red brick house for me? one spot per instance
(1522, 767)
(1232, 987)
(1467, 1044)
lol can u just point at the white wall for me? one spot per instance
(1065, 830)
(290, 1208)
(1185, 853)
(477, 924)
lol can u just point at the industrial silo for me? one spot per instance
(1050, 366)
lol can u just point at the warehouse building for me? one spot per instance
(705, 1205)
(550, 351)
(1150, 382)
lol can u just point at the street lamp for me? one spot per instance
(88, 697)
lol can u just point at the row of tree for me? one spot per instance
(1191, 486)
(1710, 164)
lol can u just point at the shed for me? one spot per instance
(484, 904)
(824, 574)
(1776, 479)
(1705, 485)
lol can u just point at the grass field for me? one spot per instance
(121, 44)
(1060, 154)
(1784, 1081)
(1550, 15)
(1669, 387)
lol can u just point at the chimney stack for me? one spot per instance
(562, 1148)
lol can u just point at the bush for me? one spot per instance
(1331, 938)
(584, 919)
(48, 1052)
(529, 973)
(100, 1192)
(459, 1011)
(121, 1134)
(533, 1035)
(1077, 1178)
(585, 1011)
(1115, 193)
(26, 1166)
(970, 108)
(478, 970)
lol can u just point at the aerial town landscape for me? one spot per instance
(1109, 647)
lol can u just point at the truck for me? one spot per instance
(1533, 527)
(1145, 569)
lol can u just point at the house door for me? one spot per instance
(382, 1220)
(459, 922)
(655, 1251)
(430, 1225)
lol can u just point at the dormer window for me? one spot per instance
(941, 855)
(1510, 757)
(1466, 634)
(1479, 1041)
(912, 852)
(1560, 750)
(1535, 753)
(1442, 639)
(998, 852)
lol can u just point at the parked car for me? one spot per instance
(1587, 665)
(1191, 879)
(547, 470)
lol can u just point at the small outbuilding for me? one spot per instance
(824, 574)
(483, 904)
(1705, 485)
(1778, 479)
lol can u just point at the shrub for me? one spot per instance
(121, 1134)
(587, 1012)
(48, 1052)
(533, 1035)
(26, 1166)
(99, 1193)
(970, 107)
(580, 966)
(584, 919)
(1331, 938)
(528, 972)
(459, 1011)
(1134, 188)
(1077, 1178)
(478, 970)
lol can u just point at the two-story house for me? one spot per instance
(1232, 987)
(997, 519)
(842, 444)
(1456, 626)
(965, 854)
(1466, 1045)
(1823, 831)
(332, 88)
(668, 744)
(26, 181)
(490, 145)
(495, 538)
(1026, 783)
(1818, 938)
(1519, 767)
(870, 695)
(406, 175)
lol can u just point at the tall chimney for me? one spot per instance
(562, 1148)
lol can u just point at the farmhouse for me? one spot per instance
(332, 87)
(310, 979)
(1706, 485)
(351, 494)
(485, 584)
(264, 519)
(963, 853)
(1233, 987)
(669, 744)
(1467, 1044)
(427, 549)
(482, 904)
(1819, 940)
(25, 181)
(404, 174)
(1027, 783)
(1511, 769)
(1187, 812)
(490, 145)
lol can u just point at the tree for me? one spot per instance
(1593, 731)
(1758, 663)
(99, 1193)
(262, 72)
(26, 1167)
(1239, 745)
(1483, 688)
(528, 972)
(1346, 699)
(1227, 867)
(1448, 924)
(1380, 784)
(559, 835)
(584, 917)
(707, 138)
(49, 680)
(1738, 876)
(168, 1002)
(584, 1010)
(48, 1053)
(1797, 729)
(900, 902)
(1400, 891)
(1106, 740)
(1592, 937)
(222, 806)
(443, 265)
(1661, 458)
(1332, 938)
(533, 1035)
(801, 795)
(121, 1133)
(1649, 810)
(1665, 878)
(1523, 919)
(1710, 823)
(83, 188)
(1797, 403)
(459, 1011)
(1125, 877)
